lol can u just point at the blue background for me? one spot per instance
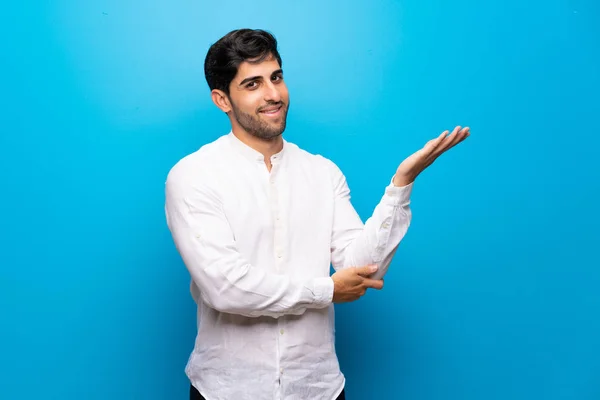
(494, 294)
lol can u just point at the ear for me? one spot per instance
(221, 100)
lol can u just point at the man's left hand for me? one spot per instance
(411, 167)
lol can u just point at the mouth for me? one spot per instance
(272, 112)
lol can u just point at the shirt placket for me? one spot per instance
(279, 254)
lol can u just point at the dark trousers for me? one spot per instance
(195, 394)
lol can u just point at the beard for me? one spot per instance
(256, 126)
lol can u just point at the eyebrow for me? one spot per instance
(258, 77)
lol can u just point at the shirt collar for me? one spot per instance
(252, 154)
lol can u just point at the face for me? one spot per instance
(259, 100)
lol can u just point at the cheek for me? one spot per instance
(248, 103)
(254, 101)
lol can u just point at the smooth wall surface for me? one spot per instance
(492, 295)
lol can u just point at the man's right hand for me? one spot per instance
(350, 284)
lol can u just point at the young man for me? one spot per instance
(258, 223)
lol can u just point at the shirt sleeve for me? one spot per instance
(226, 281)
(354, 244)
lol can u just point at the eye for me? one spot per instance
(277, 78)
(252, 85)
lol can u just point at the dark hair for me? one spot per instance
(225, 56)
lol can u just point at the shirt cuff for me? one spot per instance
(398, 195)
(323, 291)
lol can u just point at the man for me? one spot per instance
(258, 223)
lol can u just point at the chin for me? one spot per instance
(275, 135)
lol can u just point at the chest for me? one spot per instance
(288, 200)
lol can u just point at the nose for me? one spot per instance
(272, 93)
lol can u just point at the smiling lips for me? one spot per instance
(273, 111)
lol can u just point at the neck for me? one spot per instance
(266, 147)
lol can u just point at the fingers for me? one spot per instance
(373, 283)
(435, 143)
(366, 270)
(458, 135)
(464, 133)
(450, 138)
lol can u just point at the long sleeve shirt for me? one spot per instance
(259, 245)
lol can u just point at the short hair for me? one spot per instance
(224, 57)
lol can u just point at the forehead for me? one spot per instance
(264, 69)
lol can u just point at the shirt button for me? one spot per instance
(281, 370)
(281, 331)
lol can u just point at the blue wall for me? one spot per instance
(494, 294)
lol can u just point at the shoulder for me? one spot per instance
(322, 168)
(197, 168)
(319, 162)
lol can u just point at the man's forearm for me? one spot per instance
(376, 241)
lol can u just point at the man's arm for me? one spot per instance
(227, 281)
(375, 241)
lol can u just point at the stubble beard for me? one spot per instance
(256, 127)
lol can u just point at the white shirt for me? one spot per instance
(259, 246)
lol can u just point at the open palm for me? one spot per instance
(412, 166)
